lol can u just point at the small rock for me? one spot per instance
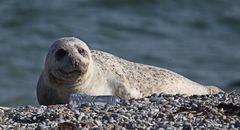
(187, 126)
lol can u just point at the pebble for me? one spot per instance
(159, 111)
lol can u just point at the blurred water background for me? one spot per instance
(198, 39)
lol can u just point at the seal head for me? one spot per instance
(68, 60)
(68, 66)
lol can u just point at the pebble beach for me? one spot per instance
(159, 111)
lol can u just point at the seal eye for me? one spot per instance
(82, 52)
(60, 54)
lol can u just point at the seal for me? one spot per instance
(71, 67)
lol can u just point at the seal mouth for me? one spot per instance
(70, 72)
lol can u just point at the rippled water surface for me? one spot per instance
(198, 39)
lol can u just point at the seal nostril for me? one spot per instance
(60, 54)
(74, 63)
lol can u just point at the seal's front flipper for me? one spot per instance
(78, 99)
